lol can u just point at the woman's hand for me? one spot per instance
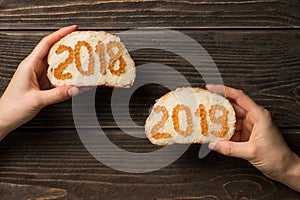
(30, 90)
(258, 140)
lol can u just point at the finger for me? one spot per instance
(44, 83)
(241, 133)
(241, 99)
(247, 127)
(219, 89)
(239, 124)
(58, 94)
(233, 149)
(41, 50)
(239, 112)
(238, 96)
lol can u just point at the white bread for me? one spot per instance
(124, 79)
(191, 98)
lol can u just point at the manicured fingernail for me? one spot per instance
(73, 91)
(74, 25)
(208, 86)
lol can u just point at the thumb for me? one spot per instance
(233, 149)
(58, 94)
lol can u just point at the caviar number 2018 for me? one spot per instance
(100, 50)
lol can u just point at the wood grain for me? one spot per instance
(20, 191)
(265, 64)
(57, 159)
(120, 14)
(255, 45)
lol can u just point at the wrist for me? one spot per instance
(291, 175)
(5, 127)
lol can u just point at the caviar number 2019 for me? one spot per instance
(200, 112)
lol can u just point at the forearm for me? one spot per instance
(4, 130)
(291, 177)
(5, 125)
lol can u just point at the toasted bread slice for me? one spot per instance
(190, 115)
(89, 58)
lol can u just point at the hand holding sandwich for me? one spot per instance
(258, 140)
(29, 90)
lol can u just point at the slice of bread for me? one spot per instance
(90, 58)
(190, 115)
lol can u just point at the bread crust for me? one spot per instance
(191, 98)
(124, 79)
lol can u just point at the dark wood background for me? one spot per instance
(255, 45)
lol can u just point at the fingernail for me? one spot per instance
(208, 86)
(211, 145)
(73, 91)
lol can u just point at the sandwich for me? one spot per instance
(90, 58)
(190, 115)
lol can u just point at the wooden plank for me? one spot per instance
(57, 159)
(120, 14)
(17, 191)
(264, 64)
(292, 137)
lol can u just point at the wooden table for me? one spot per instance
(256, 47)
